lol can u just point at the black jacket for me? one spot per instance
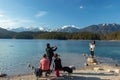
(57, 63)
(50, 51)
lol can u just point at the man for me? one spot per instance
(50, 52)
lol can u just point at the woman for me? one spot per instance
(92, 47)
(57, 65)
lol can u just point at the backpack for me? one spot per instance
(38, 72)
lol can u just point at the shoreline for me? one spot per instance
(94, 72)
(104, 61)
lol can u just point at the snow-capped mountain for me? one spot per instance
(21, 29)
(101, 28)
(69, 28)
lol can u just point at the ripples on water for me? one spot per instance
(16, 54)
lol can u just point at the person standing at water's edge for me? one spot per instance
(50, 52)
(92, 47)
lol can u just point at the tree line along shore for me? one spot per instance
(61, 35)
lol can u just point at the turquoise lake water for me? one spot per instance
(16, 54)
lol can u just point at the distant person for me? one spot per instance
(92, 47)
(50, 52)
(57, 65)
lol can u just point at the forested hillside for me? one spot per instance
(4, 34)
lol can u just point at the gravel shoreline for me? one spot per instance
(94, 72)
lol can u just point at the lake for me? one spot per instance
(15, 54)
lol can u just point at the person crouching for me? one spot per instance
(44, 64)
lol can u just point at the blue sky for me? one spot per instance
(58, 13)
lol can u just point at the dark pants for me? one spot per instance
(50, 58)
(92, 54)
(38, 72)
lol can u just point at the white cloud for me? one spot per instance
(7, 22)
(1, 15)
(81, 7)
(25, 21)
(40, 14)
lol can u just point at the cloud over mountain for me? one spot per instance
(40, 14)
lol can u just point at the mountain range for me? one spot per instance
(100, 28)
(22, 29)
(70, 28)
